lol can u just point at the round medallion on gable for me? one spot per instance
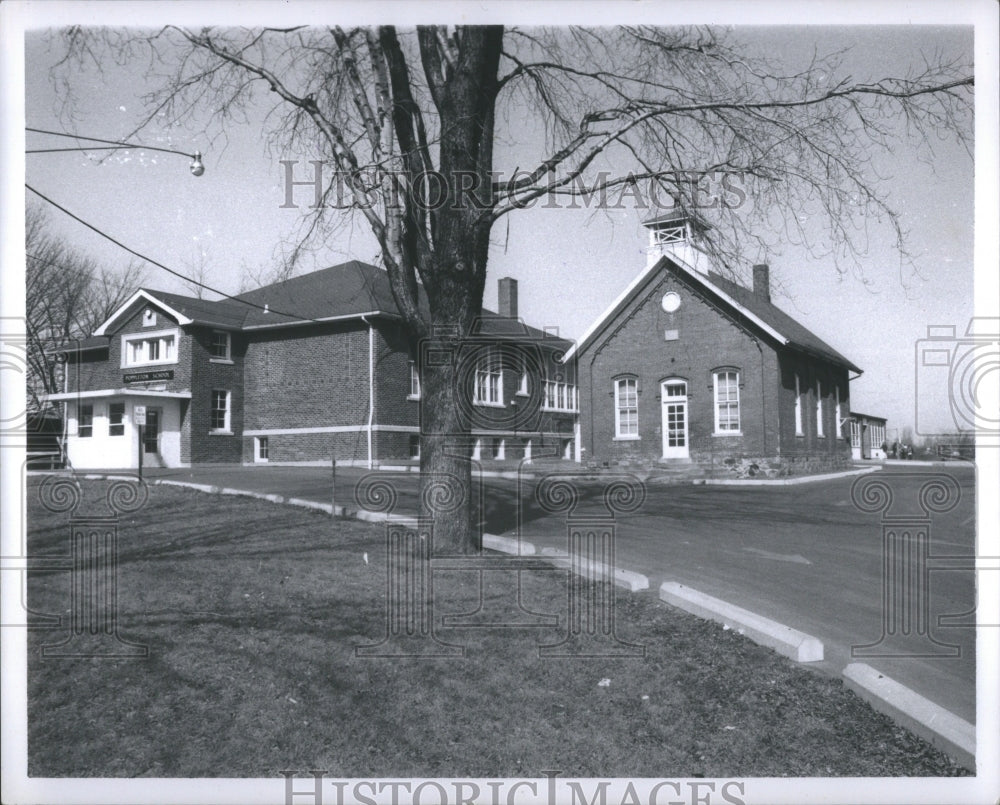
(670, 302)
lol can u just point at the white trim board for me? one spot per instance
(142, 294)
(69, 396)
(626, 296)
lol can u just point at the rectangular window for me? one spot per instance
(855, 433)
(220, 347)
(798, 407)
(819, 409)
(627, 408)
(489, 380)
(263, 449)
(414, 446)
(86, 422)
(414, 382)
(497, 449)
(727, 402)
(559, 396)
(116, 419)
(149, 348)
(219, 418)
(522, 380)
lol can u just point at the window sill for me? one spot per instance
(481, 404)
(521, 394)
(147, 365)
(415, 397)
(224, 361)
(728, 433)
(221, 433)
(627, 439)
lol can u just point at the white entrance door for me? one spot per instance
(673, 393)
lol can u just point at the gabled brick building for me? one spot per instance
(302, 371)
(689, 366)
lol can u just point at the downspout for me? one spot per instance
(371, 385)
(763, 401)
(63, 446)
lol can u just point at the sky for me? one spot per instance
(569, 263)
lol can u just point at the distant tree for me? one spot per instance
(406, 124)
(198, 275)
(67, 296)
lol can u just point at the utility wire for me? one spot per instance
(116, 143)
(150, 260)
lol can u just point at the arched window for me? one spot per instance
(727, 401)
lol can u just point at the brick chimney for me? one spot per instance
(762, 282)
(507, 298)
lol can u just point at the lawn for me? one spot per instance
(251, 612)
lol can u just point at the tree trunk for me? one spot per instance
(446, 492)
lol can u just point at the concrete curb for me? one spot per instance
(785, 481)
(783, 639)
(945, 730)
(630, 580)
(508, 545)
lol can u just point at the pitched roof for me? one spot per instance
(798, 336)
(346, 291)
(765, 315)
(223, 313)
(81, 345)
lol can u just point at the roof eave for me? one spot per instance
(324, 320)
(142, 293)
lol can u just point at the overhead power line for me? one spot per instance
(151, 261)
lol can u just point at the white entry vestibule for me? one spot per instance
(101, 428)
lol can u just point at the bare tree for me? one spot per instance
(67, 296)
(407, 122)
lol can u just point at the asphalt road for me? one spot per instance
(804, 555)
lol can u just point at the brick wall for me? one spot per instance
(208, 375)
(304, 377)
(703, 340)
(809, 443)
(102, 369)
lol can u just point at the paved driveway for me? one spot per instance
(804, 555)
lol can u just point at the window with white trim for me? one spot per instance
(559, 396)
(836, 410)
(85, 423)
(878, 436)
(116, 419)
(219, 416)
(855, 433)
(627, 408)
(149, 349)
(727, 401)
(262, 453)
(414, 382)
(489, 379)
(819, 409)
(522, 380)
(220, 347)
(798, 407)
